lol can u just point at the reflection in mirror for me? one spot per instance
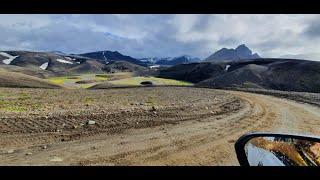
(282, 151)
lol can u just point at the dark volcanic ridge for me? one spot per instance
(26, 64)
(44, 64)
(225, 55)
(106, 56)
(237, 72)
(278, 74)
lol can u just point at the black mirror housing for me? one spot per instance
(243, 140)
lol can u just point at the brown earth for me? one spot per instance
(139, 126)
(19, 80)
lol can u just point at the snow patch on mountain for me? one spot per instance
(70, 59)
(170, 60)
(227, 67)
(10, 58)
(64, 61)
(44, 66)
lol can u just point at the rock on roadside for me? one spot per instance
(56, 159)
(90, 122)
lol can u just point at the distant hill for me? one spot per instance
(89, 66)
(170, 61)
(193, 72)
(107, 56)
(123, 66)
(18, 80)
(27, 68)
(28, 71)
(48, 63)
(224, 54)
(177, 60)
(150, 60)
(278, 74)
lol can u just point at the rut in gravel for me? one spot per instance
(199, 134)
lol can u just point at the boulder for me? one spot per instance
(146, 83)
(90, 122)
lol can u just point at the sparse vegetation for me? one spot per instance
(102, 76)
(119, 75)
(19, 80)
(86, 80)
(78, 81)
(136, 81)
(16, 102)
(58, 80)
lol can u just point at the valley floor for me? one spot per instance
(141, 126)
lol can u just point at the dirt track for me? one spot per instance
(194, 137)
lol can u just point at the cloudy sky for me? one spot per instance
(162, 35)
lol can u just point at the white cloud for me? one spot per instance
(162, 35)
(24, 22)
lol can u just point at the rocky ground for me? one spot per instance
(304, 97)
(139, 126)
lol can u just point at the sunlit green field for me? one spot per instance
(71, 81)
(61, 80)
(135, 81)
(85, 81)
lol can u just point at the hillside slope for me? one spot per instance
(18, 80)
(48, 62)
(107, 56)
(194, 72)
(278, 74)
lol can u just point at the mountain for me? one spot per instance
(150, 60)
(224, 54)
(170, 61)
(123, 66)
(58, 52)
(193, 72)
(30, 69)
(177, 60)
(47, 63)
(107, 56)
(265, 73)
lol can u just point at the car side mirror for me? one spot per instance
(263, 149)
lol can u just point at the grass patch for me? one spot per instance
(88, 100)
(57, 81)
(135, 81)
(62, 79)
(119, 75)
(86, 86)
(71, 81)
(14, 108)
(122, 79)
(23, 96)
(19, 102)
(101, 77)
(151, 100)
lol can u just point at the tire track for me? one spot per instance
(187, 138)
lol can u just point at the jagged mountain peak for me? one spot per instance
(239, 53)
